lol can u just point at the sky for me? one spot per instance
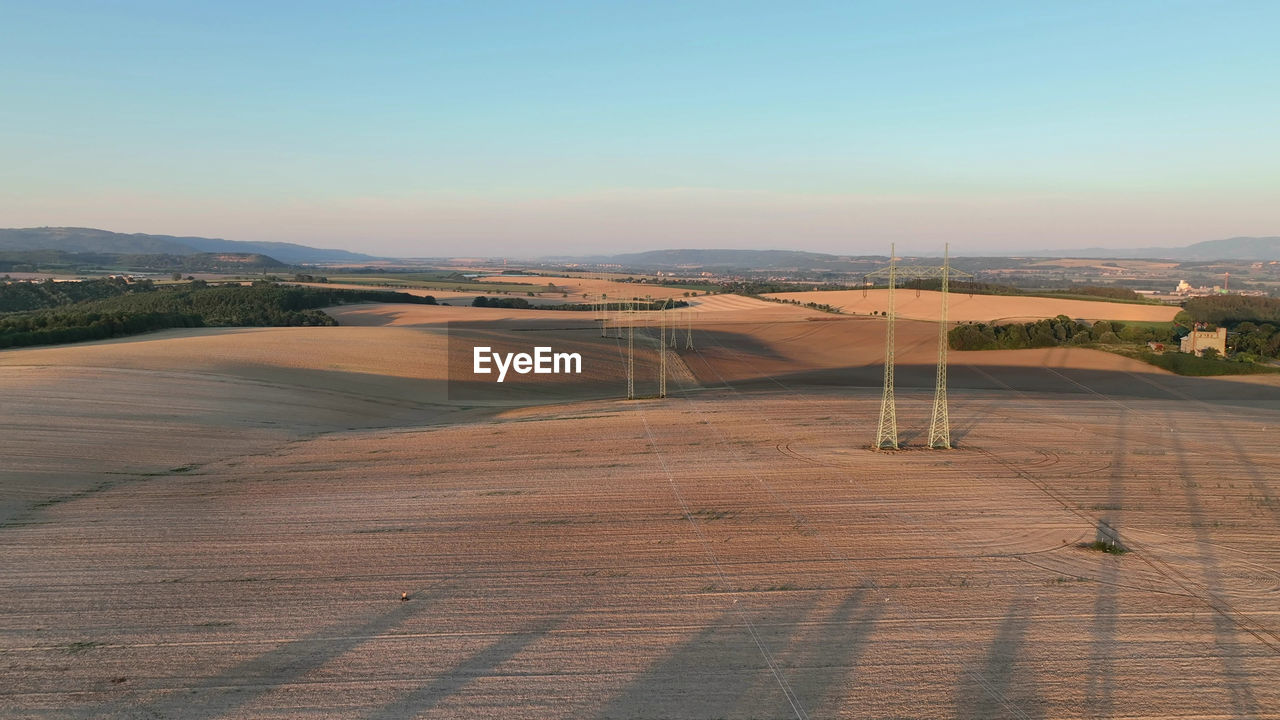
(539, 128)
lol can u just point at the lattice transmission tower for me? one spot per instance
(887, 430)
(631, 354)
(939, 424)
(662, 351)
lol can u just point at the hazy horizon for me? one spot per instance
(585, 128)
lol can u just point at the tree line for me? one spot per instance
(18, 296)
(142, 306)
(1230, 310)
(1252, 322)
(612, 306)
(1052, 332)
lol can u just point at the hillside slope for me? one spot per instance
(92, 240)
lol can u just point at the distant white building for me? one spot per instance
(1197, 341)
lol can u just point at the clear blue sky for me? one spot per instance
(428, 128)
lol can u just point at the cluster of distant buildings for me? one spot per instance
(1185, 289)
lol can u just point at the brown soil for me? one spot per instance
(220, 524)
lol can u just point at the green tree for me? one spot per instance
(1135, 334)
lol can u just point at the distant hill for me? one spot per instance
(90, 240)
(1236, 248)
(738, 260)
(284, 252)
(49, 260)
(727, 258)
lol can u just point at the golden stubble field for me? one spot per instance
(568, 290)
(963, 307)
(220, 524)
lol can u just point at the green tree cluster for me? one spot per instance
(1251, 321)
(141, 307)
(19, 296)
(1053, 332)
(517, 303)
(1230, 310)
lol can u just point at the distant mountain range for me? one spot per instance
(59, 260)
(752, 259)
(1236, 248)
(729, 260)
(89, 240)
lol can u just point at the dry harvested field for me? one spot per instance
(451, 297)
(220, 524)
(963, 307)
(1106, 265)
(593, 286)
(574, 286)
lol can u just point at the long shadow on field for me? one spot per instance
(1098, 685)
(432, 694)
(977, 416)
(715, 673)
(1238, 456)
(719, 343)
(374, 398)
(1226, 633)
(222, 694)
(1002, 688)
(1228, 624)
(822, 673)
(1025, 378)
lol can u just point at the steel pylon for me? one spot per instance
(940, 425)
(674, 324)
(662, 352)
(887, 431)
(631, 355)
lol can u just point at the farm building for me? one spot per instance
(1198, 340)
